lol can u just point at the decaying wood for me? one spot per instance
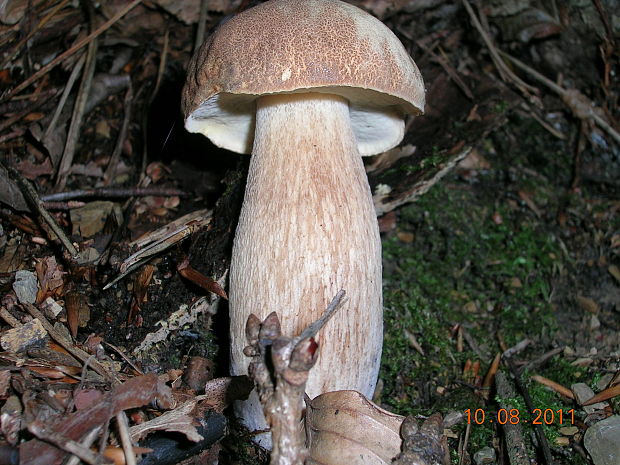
(280, 366)
(513, 433)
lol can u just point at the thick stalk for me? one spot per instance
(308, 229)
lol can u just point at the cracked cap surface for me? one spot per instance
(290, 46)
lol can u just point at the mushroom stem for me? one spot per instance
(308, 229)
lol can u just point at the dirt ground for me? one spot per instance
(499, 215)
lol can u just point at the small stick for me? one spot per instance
(540, 434)
(63, 205)
(88, 441)
(568, 96)
(316, 326)
(79, 354)
(10, 319)
(66, 444)
(504, 71)
(123, 430)
(113, 192)
(145, 120)
(18, 116)
(33, 198)
(34, 30)
(63, 56)
(280, 367)
(513, 433)
(443, 62)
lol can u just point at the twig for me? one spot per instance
(88, 441)
(125, 357)
(280, 367)
(443, 62)
(34, 30)
(145, 119)
(540, 434)
(581, 106)
(10, 319)
(63, 56)
(32, 198)
(504, 71)
(78, 116)
(79, 354)
(162, 239)
(113, 192)
(110, 172)
(63, 205)
(123, 430)
(15, 118)
(543, 358)
(317, 325)
(513, 433)
(12, 135)
(463, 445)
(66, 444)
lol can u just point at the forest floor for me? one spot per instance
(501, 231)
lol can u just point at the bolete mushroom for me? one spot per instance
(306, 86)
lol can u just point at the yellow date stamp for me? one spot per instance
(513, 416)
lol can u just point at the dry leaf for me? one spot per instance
(346, 428)
(32, 171)
(50, 276)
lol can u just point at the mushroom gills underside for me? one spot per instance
(228, 120)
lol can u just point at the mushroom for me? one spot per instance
(308, 87)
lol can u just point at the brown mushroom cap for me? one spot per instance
(287, 46)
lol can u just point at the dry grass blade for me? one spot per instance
(78, 116)
(579, 104)
(63, 56)
(604, 395)
(34, 30)
(553, 385)
(162, 239)
(504, 71)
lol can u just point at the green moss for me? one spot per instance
(461, 268)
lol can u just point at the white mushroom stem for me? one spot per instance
(308, 229)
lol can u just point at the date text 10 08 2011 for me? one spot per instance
(513, 416)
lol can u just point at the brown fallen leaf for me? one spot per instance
(50, 276)
(553, 385)
(343, 427)
(134, 393)
(208, 284)
(140, 289)
(78, 311)
(604, 395)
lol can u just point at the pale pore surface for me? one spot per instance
(308, 229)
